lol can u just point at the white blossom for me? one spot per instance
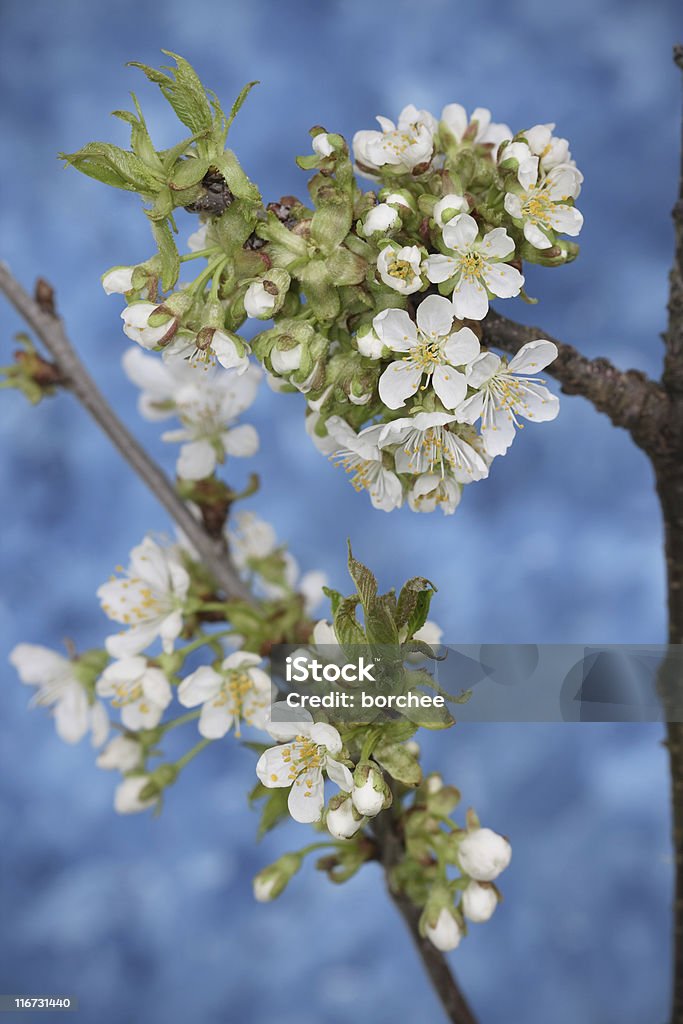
(238, 691)
(431, 491)
(360, 457)
(369, 345)
(478, 129)
(550, 150)
(127, 798)
(430, 633)
(148, 599)
(300, 761)
(429, 349)
(483, 854)
(479, 902)
(401, 268)
(407, 145)
(431, 442)
(449, 204)
(322, 145)
(505, 392)
(136, 324)
(122, 753)
(258, 302)
(342, 821)
(540, 203)
(118, 280)
(59, 688)
(446, 933)
(207, 409)
(380, 218)
(476, 266)
(139, 689)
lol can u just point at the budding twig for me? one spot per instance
(40, 315)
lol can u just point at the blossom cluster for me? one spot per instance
(376, 300)
(166, 668)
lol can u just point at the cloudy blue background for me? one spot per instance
(153, 919)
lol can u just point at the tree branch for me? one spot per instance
(629, 398)
(391, 853)
(40, 316)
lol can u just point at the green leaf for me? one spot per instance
(170, 260)
(335, 598)
(235, 178)
(413, 604)
(234, 110)
(187, 173)
(114, 166)
(346, 268)
(379, 622)
(273, 811)
(183, 90)
(399, 762)
(364, 580)
(320, 290)
(346, 626)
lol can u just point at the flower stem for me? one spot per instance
(186, 758)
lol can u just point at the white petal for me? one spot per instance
(395, 329)
(482, 369)
(460, 232)
(470, 300)
(566, 219)
(503, 281)
(339, 774)
(71, 714)
(449, 385)
(462, 347)
(435, 315)
(306, 801)
(535, 236)
(398, 382)
(497, 243)
(533, 356)
(196, 460)
(439, 268)
(215, 720)
(326, 735)
(242, 441)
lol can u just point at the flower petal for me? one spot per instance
(449, 385)
(503, 280)
(533, 356)
(435, 316)
(395, 328)
(470, 300)
(460, 233)
(398, 382)
(307, 797)
(462, 347)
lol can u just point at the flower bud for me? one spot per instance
(129, 798)
(369, 345)
(258, 302)
(270, 882)
(285, 360)
(381, 218)
(122, 753)
(483, 854)
(446, 933)
(118, 280)
(342, 820)
(137, 327)
(479, 902)
(448, 207)
(434, 783)
(230, 350)
(322, 145)
(370, 793)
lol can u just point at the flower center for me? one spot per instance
(125, 693)
(471, 265)
(538, 206)
(301, 757)
(400, 269)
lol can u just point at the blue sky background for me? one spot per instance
(153, 919)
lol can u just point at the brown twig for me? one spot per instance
(41, 317)
(391, 853)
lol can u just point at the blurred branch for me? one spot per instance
(391, 853)
(40, 315)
